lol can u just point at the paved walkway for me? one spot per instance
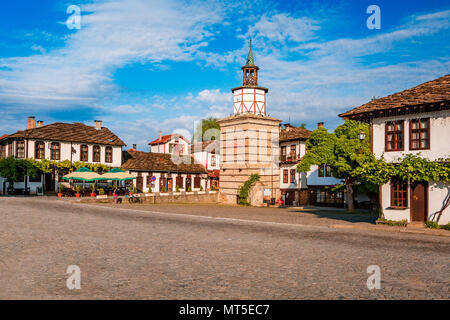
(131, 254)
(325, 217)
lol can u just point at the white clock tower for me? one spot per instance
(249, 98)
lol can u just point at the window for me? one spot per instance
(293, 150)
(283, 153)
(394, 136)
(419, 134)
(39, 150)
(108, 155)
(36, 177)
(2, 151)
(20, 149)
(84, 153)
(10, 149)
(55, 151)
(285, 175)
(399, 194)
(96, 150)
(197, 181)
(179, 182)
(213, 160)
(324, 171)
(292, 180)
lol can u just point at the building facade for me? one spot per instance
(414, 121)
(171, 144)
(160, 173)
(59, 142)
(249, 139)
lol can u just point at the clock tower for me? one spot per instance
(249, 98)
(249, 140)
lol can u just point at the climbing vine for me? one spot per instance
(245, 189)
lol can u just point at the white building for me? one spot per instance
(207, 153)
(313, 187)
(162, 173)
(58, 142)
(413, 121)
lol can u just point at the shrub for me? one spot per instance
(77, 188)
(245, 189)
(150, 190)
(163, 189)
(93, 187)
(177, 188)
(189, 189)
(401, 223)
(101, 191)
(201, 188)
(435, 225)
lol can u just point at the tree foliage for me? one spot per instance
(13, 169)
(245, 189)
(203, 126)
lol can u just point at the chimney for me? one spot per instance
(134, 146)
(288, 127)
(98, 124)
(39, 124)
(160, 136)
(320, 125)
(31, 123)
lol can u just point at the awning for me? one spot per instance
(82, 174)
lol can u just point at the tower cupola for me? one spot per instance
(250, 98)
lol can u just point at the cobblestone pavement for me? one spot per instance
(130, 254)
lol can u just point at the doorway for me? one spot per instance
(419, 201)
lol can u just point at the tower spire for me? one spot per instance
(250, 59)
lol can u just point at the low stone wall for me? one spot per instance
(173, 197)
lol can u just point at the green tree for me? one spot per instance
(203, 126)
(343, 151)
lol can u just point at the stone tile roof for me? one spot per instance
(162, 162)
(435, 91)
(71, 132)
(167, 138)
(209, 146)
(293, 133)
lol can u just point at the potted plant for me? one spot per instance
(93, 190)
(201, 188)
(77, 189)
(189, 189)
(101, 194)
(59, 191)
(163, 189)
(150, 190)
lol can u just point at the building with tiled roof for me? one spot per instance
(58, 142)
(208, 154)
(413, 121)
(429, 96)
(170, 143)
(164, 172)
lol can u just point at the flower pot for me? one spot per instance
(59, 195)
(77, 195)
(93, 194)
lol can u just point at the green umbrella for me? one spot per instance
(82, 174)
(117, 174)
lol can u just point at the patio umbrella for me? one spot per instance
(117, 174)
(82, 174)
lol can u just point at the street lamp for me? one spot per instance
(361, 136)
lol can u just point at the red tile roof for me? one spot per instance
(167, 138)
(71, 132)
(3, 136)
(432, 92)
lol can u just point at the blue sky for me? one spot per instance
(149, 66)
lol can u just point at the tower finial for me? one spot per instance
(250, 59)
